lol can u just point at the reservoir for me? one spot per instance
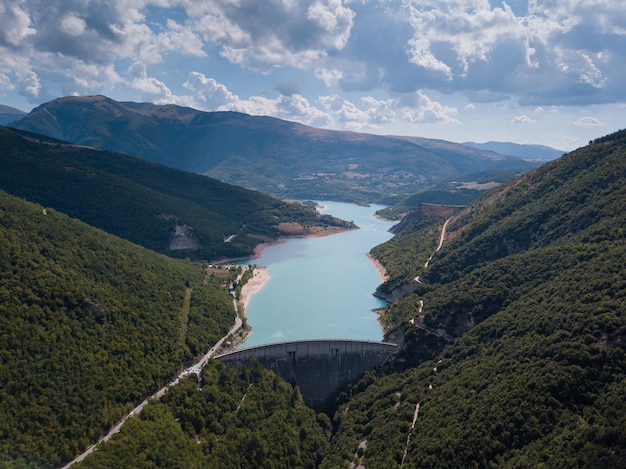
(321, 288)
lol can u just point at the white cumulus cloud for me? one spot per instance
(15, 23)
(274, 34)
(588, 121)
(522, 119)
(420, 108)
(73, 25)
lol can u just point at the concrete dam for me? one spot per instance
(317, 367)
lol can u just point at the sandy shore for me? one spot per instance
(382, 272)
(258, 250)
(260, 277)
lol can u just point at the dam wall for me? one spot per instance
(317, 367)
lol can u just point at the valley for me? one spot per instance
(508, 310)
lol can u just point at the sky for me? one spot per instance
(544, 72)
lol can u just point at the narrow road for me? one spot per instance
(441, 238)
(194, 369)
(408, 437)
(419, 321)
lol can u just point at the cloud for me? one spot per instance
(15, 24)
(588, 121)
(297, 107)
(149, 87)
(178, 38)
(30, 85)
(552, 52)
(73, 25)
(330, 77)
(344, 111)
(523, 119)
(5, 82)
(419, 108)
(379, 111)
(209, 93)
(368, 114)
(90, 31)
(262, 36)
(340, 63)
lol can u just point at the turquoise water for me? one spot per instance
(321, 288)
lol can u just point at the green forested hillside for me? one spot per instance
(233, 419)
(515, 342)
(89, 326)
(144, 202)
(450, 193)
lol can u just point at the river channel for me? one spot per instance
(321, 288)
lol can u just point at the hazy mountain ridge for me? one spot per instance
(10, 114)
(541, 152)
(149, 204)
(271, 155)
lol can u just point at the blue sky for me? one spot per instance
(549, 72)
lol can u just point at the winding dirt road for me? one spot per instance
(441, 238)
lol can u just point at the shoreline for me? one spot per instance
(262, 246)
(380, 268)
(260, 276)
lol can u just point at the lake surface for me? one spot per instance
(321, 288)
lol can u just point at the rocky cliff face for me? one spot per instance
(397, 293)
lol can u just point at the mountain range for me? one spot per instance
(273, 156)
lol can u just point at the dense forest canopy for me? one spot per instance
(90, 325)
(230, 419)
(515, 335)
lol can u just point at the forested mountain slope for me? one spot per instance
(232, 419)
(271, 155)
(90, 325)
(163, 209)
(514, 347)
(515, 341)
